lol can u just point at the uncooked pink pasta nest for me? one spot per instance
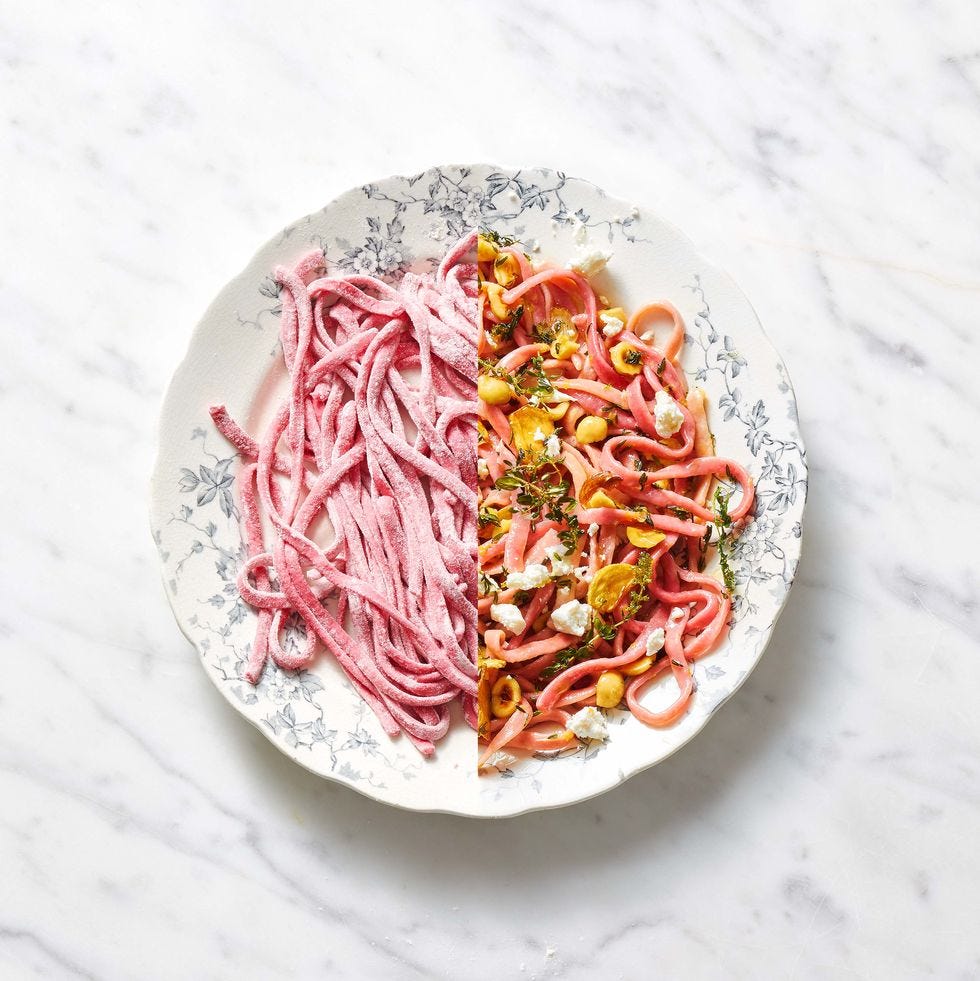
(393, 596)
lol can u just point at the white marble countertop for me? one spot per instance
(824, 825)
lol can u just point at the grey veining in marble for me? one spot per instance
(824, 825)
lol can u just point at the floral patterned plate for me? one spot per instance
(384, 228)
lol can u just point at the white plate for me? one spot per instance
(316, 718)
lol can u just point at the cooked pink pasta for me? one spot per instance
(600, 496)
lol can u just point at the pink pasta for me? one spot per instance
(378, 436)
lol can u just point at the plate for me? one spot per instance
(383, 229)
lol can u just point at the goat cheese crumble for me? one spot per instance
(571, 618)
(533, 576)
(560, 566)
(668, 417)
(611, 326)
(590, 263)
(508, 616)
(655, 642)
(589, 723)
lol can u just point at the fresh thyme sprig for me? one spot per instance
(501, 241)
(492, 368)
(530, 379)
(536, 491)
(487, 516)
(505, 331)
(642, 574)
(543, 493)
(601, 629)
(723, 522)
(568, 656)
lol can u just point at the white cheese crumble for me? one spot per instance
(539, 436)
(508, 616)
(581, 233)
(533, 576)
(501, 760)
(560, 566)
(611, 326)
(655, 642)
(668, 417)
(590, 263)
(556, 551)
(552, 445)
(589, 723)
(593, 530)
(677, 613)
(482, 468)
(571, 618)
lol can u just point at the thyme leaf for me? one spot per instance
(724, 524)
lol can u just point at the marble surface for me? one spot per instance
(824, 825)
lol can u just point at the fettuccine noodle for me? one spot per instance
(600, 498)
(401, 566)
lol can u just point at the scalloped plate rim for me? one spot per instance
(619, 776)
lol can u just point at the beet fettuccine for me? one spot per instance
(601, 499)
(536, 567)
(377, 436)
